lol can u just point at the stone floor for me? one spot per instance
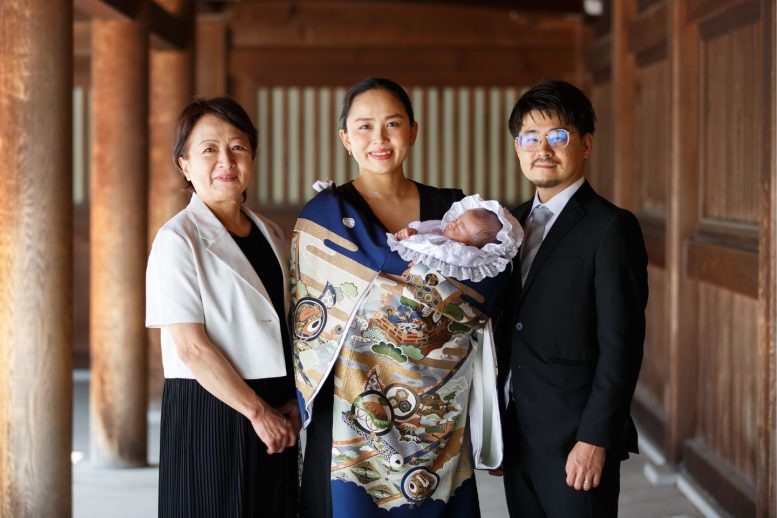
(131, 493)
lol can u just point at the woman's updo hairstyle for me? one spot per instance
(375, 83)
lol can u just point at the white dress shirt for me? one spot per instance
(556, 204)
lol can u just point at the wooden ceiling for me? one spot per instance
(85, 9)
(557, 6)
(281, 42)
(421, 42)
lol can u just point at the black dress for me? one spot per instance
(316, 496)
(212, 463)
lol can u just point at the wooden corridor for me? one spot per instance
(132, 493)
(686, 97)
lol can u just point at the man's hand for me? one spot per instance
(405, 233)
(498, 471)
(584, 466)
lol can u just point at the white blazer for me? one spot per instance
(197, 274)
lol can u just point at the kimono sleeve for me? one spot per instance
(172, 283)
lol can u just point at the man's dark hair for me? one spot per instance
(375, 83)
(555, 97)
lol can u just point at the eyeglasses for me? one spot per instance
(557, 139)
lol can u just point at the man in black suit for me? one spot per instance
(572, 334)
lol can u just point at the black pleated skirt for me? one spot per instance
(212, 463)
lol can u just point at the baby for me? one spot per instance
(475, 239)
(475, 227)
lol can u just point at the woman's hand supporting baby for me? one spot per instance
(405, 233)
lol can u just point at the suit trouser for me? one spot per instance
(535, 482)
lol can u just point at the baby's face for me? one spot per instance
(462, 229)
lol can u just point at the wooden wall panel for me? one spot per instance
(600, 165)
(727, 330)
(702, 173)
(651, 136)
(731, 137)
(766, 486)
(653, 375)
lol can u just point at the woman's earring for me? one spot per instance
(349, 152)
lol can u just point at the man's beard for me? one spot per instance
(546, 184)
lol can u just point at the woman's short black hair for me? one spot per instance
(555, 97)
(224, 108)
(373, 83)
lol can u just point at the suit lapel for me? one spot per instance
(570, 215)
(520, 213)
(223, 247)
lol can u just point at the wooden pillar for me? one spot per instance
(211, 78)
(766, 463)
(118, 238)
(171, 88)
(36, 236)
(623, 12)
(682, 221)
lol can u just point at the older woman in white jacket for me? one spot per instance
(217, 286)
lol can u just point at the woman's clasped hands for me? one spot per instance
(277, 427)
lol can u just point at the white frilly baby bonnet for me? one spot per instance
(457, 260)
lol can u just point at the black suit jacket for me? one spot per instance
(574, 332)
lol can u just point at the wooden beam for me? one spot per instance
(700, 9)
(730, 19)
(728, 267)
(364, 25)
(495, 67)
(123, 10)
(554, 6)
(167, 30)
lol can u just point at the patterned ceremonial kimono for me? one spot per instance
(412, 359)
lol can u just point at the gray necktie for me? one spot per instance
(540, 217)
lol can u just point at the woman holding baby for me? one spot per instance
(392, 358)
